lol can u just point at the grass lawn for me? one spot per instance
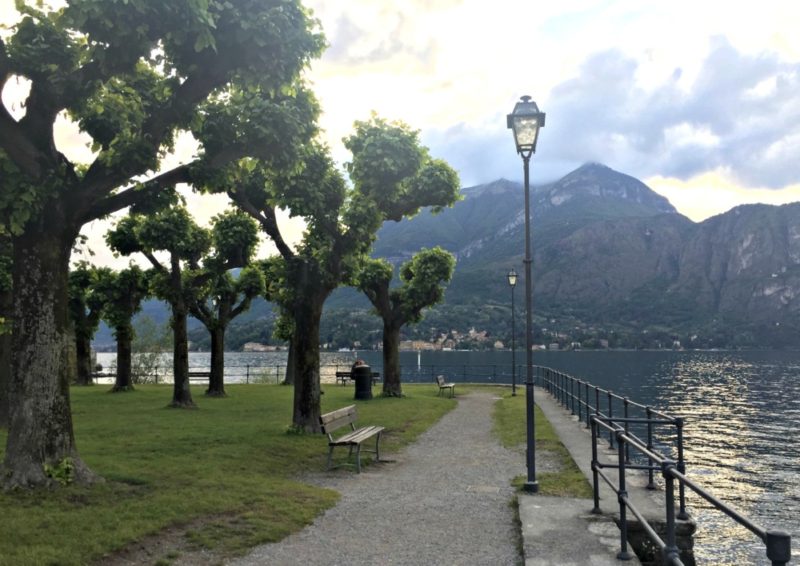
(226, 473)
(510, 427)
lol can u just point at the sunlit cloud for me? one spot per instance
(715, 192)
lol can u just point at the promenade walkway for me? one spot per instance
(445, 500)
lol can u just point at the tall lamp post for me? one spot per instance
(525, 122)
(512, 281)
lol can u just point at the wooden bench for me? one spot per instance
(344, 376)
(443, 385)
(355, 438)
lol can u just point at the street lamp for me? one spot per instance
(512, 281)
(525, 122)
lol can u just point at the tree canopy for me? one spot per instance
(132, 75)
(422, 278)
(392, 177)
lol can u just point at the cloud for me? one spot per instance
(740, 113)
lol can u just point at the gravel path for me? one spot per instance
(443, 500)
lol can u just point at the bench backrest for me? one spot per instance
(338, 418)
(440, 380)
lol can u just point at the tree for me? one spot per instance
(132, 75)
(392, 177)
(173, 231)
(122, 294)
(85, 308)
(424, 277)
(235, 238)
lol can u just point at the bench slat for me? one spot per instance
(358, 436)
(338, 418)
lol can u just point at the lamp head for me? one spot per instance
(512, 278)
(525, 121)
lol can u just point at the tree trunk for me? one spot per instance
(181, 393)
(5, 355)
(216, 381)
(5, 376)
(391, 360)
(305, 354)
(40, 434)
(290, 366)
(124, 380)
(83, 352)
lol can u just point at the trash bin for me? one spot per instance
(362, 375)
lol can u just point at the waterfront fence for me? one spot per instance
(597, 408)
(254, 373)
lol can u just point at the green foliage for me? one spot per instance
(423, 279)
(61, 472)
(150, 344)
(122, 293)
(85, 304)
(236, 461)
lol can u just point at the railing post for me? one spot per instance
(650, 483)
(682, 514)
(610, 420)
(626, 403)
(622, 496)
(572, 393)
(595, 475)
(156, 375)
(671, 553)
(596, 401)
(247, 375)
(587, 404)
(580, 401)
(779, 547)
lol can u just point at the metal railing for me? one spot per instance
(584, 399)
(274, 373)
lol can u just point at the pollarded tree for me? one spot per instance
(221, 297)
(424, 278)
(173, 231)
(132, 75)
(122, 294)
(392, 178)
(85, 308)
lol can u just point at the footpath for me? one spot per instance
(447, 500)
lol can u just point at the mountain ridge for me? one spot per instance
(610, 256)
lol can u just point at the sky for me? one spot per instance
(700, 100)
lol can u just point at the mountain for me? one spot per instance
(610, 252)
(612, 260)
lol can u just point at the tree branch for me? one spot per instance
(132, 195)
(157, 265)
(267, 219)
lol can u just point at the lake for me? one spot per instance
(742, 414)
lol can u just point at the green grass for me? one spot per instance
(509, 426)
(225, 473)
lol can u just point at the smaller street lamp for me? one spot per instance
(512, 281)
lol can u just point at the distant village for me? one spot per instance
(471, 340)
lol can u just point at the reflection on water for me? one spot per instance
(742, 414)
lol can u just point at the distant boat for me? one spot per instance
(345, 350)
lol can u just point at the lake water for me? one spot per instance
(742, 414)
